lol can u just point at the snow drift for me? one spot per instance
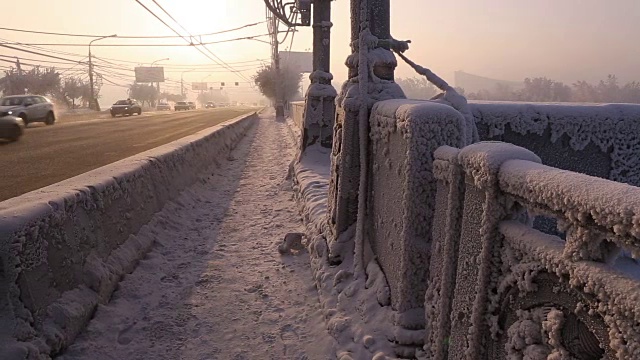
(64, 248)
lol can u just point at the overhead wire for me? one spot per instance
(201, 43)
(128, 36)
(251, 37)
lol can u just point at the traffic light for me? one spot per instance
(304, 8)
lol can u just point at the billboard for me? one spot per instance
(149, 74)
(297, 60)
(199, 86)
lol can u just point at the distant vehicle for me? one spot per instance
(210, 105)
(192, 105)
(125, 108)
(11, 127)
(30, 108)
(163, 107)
(182, 105)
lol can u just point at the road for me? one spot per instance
(48, 154)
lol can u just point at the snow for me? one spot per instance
(581, 199)
(63, 248)
(616, 295)
(612, 127)
(356, 310)
(214, 285)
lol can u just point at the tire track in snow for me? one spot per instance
(214, 286)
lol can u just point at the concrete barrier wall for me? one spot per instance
(64, 248)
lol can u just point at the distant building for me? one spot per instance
(474, 83)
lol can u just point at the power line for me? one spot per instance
(37, 53)
(44, 61)
(201, 43)
(108, 60)
(128, 36)
(172, 29)
(252, 37)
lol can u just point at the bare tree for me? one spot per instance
(268, 78)
(417, 88)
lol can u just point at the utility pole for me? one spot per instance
(158, 83)
(319, 114)
(182, 81)
(93, 104)
(275, 61)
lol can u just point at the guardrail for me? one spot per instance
(64, 248)
(517, 290)
(297, 113)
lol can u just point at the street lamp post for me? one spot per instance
(158, 83)
(182, 81)
(92, 101)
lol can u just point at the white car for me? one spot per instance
(30, 108)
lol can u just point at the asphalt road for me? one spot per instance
(48, 154)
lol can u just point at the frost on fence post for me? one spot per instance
(319, 110)
(345, 160)
(479, 244)
(444, 250)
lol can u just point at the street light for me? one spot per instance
(182, 81)
(92, 101)
(159, 61)
(158, 83)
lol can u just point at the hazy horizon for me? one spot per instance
(508, 40)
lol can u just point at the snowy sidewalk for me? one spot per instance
(214, 286)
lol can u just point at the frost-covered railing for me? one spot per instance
(297, 113)
(563, 135)
(518, 291)
(404, 135)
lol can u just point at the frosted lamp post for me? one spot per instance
(92, 99)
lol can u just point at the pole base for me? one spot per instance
(279, 111)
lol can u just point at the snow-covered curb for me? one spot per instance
(351, 306)
(64, 248)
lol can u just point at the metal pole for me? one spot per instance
(92, 100)
(182, 81)
(276, 52)
(322, 36)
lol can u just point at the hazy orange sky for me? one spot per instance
(566, 40)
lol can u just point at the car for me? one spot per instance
(192, 105)
(125, 108)
(163, 107)
(181, 105)
(209, 105)
(30, 108)
(11, 127)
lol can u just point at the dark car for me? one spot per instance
(182, 105)
(125, 107)
(11, 127)
(192, 105)
(210, 105)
